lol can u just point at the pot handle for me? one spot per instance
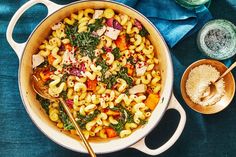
(18, 47)
(141, 146)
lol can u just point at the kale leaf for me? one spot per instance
(143, 32)
(96, 25)
(65, 119)
(116, 53)
(83, 120)
(44, 103)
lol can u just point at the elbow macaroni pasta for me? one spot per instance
(96, 87)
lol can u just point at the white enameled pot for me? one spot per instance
(25, 50)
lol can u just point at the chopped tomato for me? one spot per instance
(91, 84)
(45, 75)
(130, 69)
(68, 47)
(51, 59)
(112, 113)
(121, 43)
(110, 132)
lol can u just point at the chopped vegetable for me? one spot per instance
(91, 85)
(152, 101)
(108, 13)
(110, 132)
(37, 60)
(116, 53)
(112, 33)
(83, 120)
(44, 103)
(65, 119)
(138, 24)
(51, 59)
(68, 47)
(109, 22)
(121, 43)
(69, 103)
(117, 25)
(130, 68)
(141, 88)
(113, 113)
(96, 25)
(45, 75)
(143, 32)
(97, 14)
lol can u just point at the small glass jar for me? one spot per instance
(217, 39)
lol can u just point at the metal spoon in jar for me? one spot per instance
(212, 86)
(43, 93)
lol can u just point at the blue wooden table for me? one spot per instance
(204, 136)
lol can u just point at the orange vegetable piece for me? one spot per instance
(110, 132)
(51, 59)
(45, 75)
(91, 84)
(130, 69)
(68, 47)
(152, 101)
(112, 113)
(121, 43)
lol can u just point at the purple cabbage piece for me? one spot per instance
(75, 71)
(69, 102)
(117, 25)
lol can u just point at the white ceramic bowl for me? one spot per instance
(25, 50)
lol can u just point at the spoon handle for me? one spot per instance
(227, 71)
(86, 143)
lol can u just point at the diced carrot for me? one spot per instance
(68, 47)
(91, 84)
(110, 132)
(45, 75)
(51, 59)
(130, 69)
(152, 101)
(113, 113)
(121, 43)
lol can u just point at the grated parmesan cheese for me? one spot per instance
(197, 85)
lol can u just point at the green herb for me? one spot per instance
(116, 53)
(87, 43)
(65, 119)
(103, 64)
(131, 60)
(64, 77)
(83, 120)
(142, 121)
(52, 68)
(123, 74)
(63, 94)
(96, 25)
(71, 31)
(110, 81)
(44, 103)
(143, 32)
(126, 117)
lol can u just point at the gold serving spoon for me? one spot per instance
(212, 86)
(43, 93)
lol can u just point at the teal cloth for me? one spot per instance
(211, 136)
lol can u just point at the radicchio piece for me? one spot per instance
(69, 103)
(138, 24)
(108, 49)
(75, 71)
(117, 25)
(109, 22)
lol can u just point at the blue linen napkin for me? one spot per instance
(173, 21)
